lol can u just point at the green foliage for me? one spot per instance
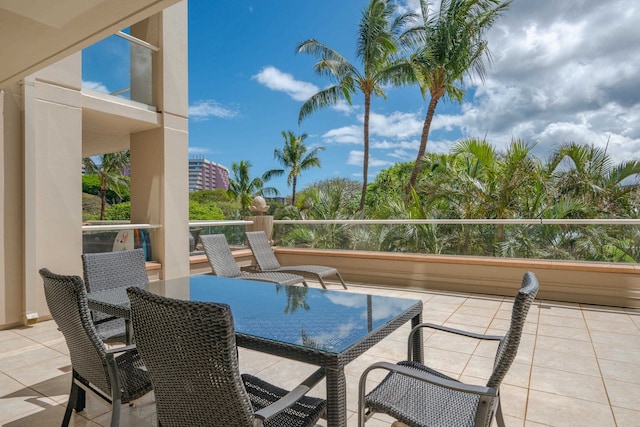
(118, 212)
(204, 212)
(243, 188)
(108, 168)
(209, 196)
(91, 185)
(376, 48)
(90, 207)
(294, 156)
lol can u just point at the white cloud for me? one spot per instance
(558, 75)
(203, 110)
(277, 80)
(97, 86)
(356, 157)
(344, 135)
(344, 108)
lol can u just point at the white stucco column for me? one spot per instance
(160, 157)
(52, 177)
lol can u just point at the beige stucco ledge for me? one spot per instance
(614, 284)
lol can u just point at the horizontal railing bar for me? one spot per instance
(137, 41)
(218, 223)
(106, 227)
(533, 221)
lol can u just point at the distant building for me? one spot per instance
(207, 175)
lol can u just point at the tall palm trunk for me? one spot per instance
(365, 161)
(103, 202)
(293, 196)
(423, 140)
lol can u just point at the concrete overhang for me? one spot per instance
(108, 121)
(37, 33)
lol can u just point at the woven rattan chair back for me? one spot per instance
(115, 375)
(508, 347)
(262, 251)
(108, 270)
(67, 302)
(189, 349)
(219, 255)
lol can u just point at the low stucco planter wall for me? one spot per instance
(614, 284)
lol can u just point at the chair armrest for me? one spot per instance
(291, 398)
(121, 349)
(450, 330)
(426, 377)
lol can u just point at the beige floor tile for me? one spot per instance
(579, 334)
(30, 356)
(449, 341)
(554, 308)
(562, 411)
(626, 417)
(621, 371)
(476, 311)
(43, 370)
(628, 327)
(619, 353)
(568, 384)
(564, 345)
(488, 302)
(616, 340)
(578, 364)
(569, 322)
(24, 403)
(479, 367)
(446, 360)
(514, 401)
(470, 320)
(623, 394)
(519, 375)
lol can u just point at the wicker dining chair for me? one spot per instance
(190, 351)
(223, 264)
(267, 261)
(419, 396)
(116, 375)
(108, 270)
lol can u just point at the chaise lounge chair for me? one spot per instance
(267, 261)
(223, 264)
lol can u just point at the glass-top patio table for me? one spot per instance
(320, 327)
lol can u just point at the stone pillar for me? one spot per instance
(160, 157)
(52, 177)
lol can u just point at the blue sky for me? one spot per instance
(558, 75)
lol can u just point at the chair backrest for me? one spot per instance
(508, 347)
(262, 251)
(108, 270)
(67, 301)
(219, 255)
(189, 349)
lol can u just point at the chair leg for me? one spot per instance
(73, 396)
(341, 280)
(321, 282)
(499, 417)
(115, 412)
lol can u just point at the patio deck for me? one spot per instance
(577, 365)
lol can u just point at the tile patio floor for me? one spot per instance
(578, 365)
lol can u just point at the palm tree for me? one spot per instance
(244, 189)
(295, 157)
(109, 169)
(449, 44)
(375, 47)
(591, 175)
